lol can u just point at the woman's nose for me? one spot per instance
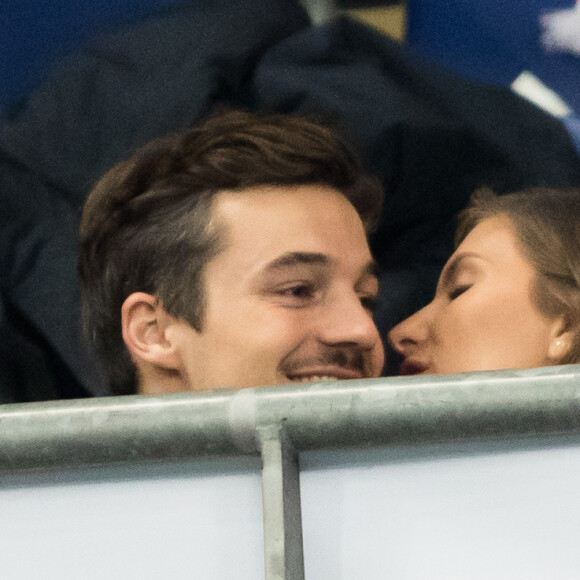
(411, 332)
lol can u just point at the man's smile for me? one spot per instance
(325, 374)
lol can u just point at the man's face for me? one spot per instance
(289, 297)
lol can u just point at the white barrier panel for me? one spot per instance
(443, 512)
(172, 521)
(471, 511)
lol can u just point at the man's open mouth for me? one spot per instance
(315, 379)
(342, 374)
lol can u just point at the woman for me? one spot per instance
(509, 296)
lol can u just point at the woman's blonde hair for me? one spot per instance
(547, 225)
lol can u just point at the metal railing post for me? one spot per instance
(283, 552)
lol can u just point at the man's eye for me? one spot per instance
(298, 292)
(369, 303)
(457, 291)
(302, 291)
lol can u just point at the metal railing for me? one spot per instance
(279, 423)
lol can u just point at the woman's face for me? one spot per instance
(482, 316)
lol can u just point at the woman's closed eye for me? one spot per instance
(458, 290)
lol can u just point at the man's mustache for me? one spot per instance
(347, 358)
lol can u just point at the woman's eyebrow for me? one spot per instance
(452, 268)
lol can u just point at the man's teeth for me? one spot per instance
(315, 378)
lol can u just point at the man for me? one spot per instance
(235, 255)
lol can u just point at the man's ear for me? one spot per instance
(147, 332)
(561, 340)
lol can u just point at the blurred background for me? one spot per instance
(423, 87)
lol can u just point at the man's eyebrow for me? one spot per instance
(290, 259)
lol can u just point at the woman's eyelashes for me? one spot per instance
(458, 276)
(457, 290)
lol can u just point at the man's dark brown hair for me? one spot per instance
(146, 225)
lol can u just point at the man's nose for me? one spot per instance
(410, 333)
(348, 322)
